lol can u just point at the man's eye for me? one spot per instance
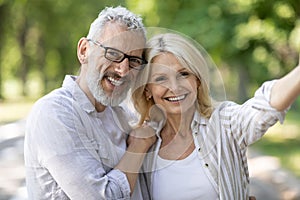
(136, 61)
(113, 54)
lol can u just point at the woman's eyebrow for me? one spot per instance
(183, 69)
(158, 74)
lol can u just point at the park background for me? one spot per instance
(250, 41)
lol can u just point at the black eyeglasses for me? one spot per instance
(118, 56)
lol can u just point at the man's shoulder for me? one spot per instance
(57, 101)
(59, 95)
(56, 97)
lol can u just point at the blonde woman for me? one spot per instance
(201, 148)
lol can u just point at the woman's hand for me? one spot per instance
(286, 90)
(142, 138)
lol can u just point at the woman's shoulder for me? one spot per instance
(224, 104)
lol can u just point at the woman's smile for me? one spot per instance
(176, 98)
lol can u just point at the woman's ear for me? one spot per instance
(82, 50)
(148, 93)
(198, 82)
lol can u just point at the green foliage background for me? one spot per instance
(250, 40)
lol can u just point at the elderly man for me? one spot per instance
(75, 141)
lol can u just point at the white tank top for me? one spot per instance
(182, 180)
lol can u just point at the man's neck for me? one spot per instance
(98, 106)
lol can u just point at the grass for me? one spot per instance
(11, 111)
(283, 142)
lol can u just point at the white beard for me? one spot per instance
(94, 83)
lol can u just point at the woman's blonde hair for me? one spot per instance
(189, 56)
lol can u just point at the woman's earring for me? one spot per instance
(148, 98)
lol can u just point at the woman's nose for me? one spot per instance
(173, 84)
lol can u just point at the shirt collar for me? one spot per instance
(79, 96)
(198, 120)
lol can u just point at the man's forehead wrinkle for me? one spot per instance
(116, 33)
(125, 42)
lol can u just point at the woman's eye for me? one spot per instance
(184, 74)
(160, 78)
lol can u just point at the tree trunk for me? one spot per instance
(3, 17)
(42, 63)
(243, 84)
(25, 58)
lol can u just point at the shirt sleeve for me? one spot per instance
(250, 121)
(261, 100)
(72, 158)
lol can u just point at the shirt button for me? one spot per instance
(199, 149)
(206, 165)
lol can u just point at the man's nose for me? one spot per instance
(122, 68)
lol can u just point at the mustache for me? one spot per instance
(116, 76)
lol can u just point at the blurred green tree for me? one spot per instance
(250, 40)
(3, 9)
(39, 39)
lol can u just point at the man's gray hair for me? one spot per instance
(119, 14)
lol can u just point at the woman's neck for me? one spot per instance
(177, 139)
(179, 123)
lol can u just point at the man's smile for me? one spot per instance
(114, 81)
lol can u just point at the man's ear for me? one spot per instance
(82, 50)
